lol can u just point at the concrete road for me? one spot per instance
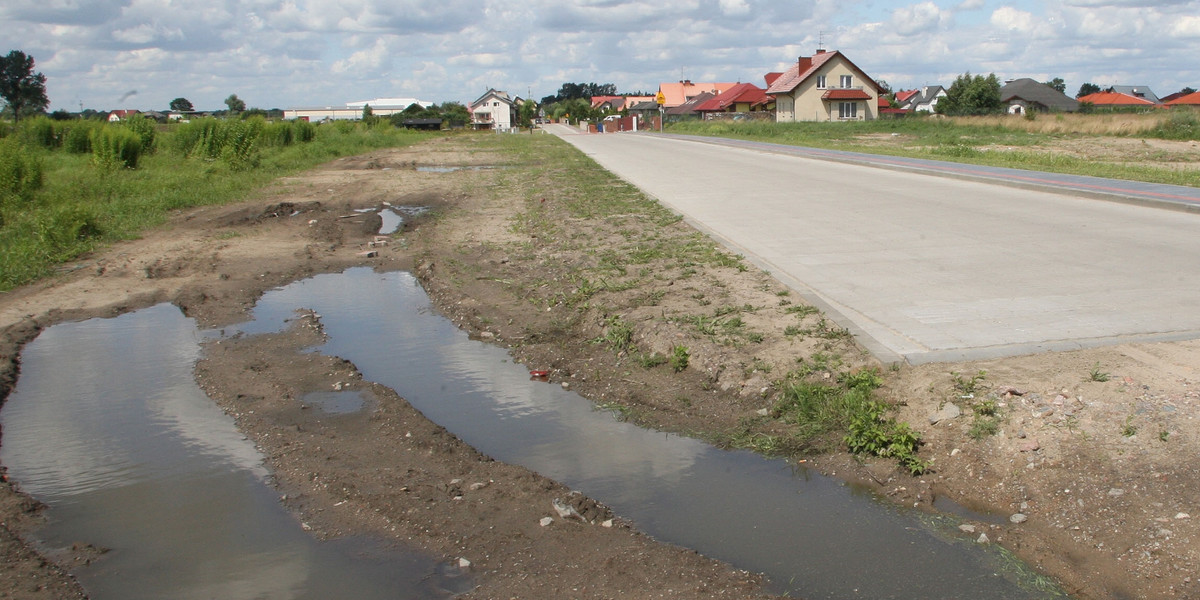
(923, 267)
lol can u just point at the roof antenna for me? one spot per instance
(820, 41)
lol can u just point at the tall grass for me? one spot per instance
(62, 200)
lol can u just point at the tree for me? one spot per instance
(24, 91)
(1058, 84)
(182, 105)
(525, 113)
(1087, 89)
(235, 104)
(972, 95)
(454, 114)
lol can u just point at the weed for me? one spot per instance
(792, 330)
(1129, 429)
(801, 310)
(651, 360)
(1097, 374)
(679, 358)
(983, 426)
(967, 386)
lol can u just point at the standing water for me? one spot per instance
(813, 536)
(109, 429)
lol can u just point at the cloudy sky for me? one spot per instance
(109, 54)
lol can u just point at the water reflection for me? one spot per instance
(810, 534)
(108, 428)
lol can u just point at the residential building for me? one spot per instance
(1137, 91)
(826, 86)
(924, 99)
(494, 110)
(741, 98)
(678, 93)
(1192, 99)
(1115, 100)
(117, 116)
(687, 110)
(1021, 96)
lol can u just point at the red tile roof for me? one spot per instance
(771, 77)
(742, 92)
(844, 94)
(903, 96)
(1189, 99)
(1114, 99)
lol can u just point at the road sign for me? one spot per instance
(660, 99)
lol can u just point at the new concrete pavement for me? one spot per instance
(925, 267)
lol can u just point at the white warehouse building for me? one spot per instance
(380, 107)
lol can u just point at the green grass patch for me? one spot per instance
(94, 192)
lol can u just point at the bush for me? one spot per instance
(115, 147)
(39, 131)
(77, 136)
(240, 144)
(20, 170)
(144, 128)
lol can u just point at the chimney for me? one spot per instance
(820, 51)
(803, 63)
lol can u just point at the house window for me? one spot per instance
(847, 110)
(846, 81)
(820, 82)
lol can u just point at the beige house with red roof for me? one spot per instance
(825, 87)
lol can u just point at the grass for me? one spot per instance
(82, 205)
(820, 412)
(993, 141)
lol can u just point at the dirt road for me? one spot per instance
(1092, 448)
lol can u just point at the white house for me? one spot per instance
(494, 110)
(825, 87)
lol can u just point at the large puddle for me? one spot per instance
(813, 536)
(108, 428)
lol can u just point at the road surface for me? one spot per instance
(923, 267)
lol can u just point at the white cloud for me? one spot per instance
(916, 18)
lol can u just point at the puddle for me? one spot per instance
(109, 429)
(393, 217)
(813, 536)
(336, 403)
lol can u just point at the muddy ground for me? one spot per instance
(1093, 449)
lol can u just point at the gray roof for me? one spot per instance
(1037, 93)
(689, 107)
(1137, 91)
(924, 96)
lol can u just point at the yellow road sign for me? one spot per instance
(660, 99)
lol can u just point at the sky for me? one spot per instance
(141, 54)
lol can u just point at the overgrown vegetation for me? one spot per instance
(68, 186)
(817, 409)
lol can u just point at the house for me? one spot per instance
(687, 110)
(1137, 91)
(1115, 100)
(826, 86)
(117, 116)
(1021, 96)
(741, 98)
(678, 93)
(1192, 99)
(903, 96)
(924, 99)
(494, 110)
